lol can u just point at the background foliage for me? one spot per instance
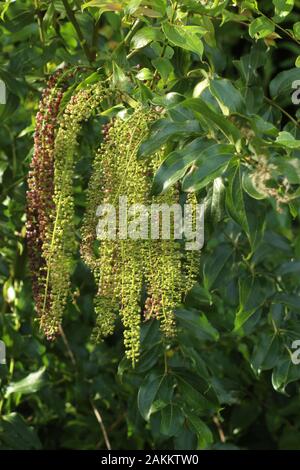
(221, 69)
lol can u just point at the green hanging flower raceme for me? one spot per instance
(122, 267)
(60, 242)
(41, 185)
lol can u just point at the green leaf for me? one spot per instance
(197, 323)
(235, 202)
(15, 434)
(170, 100)
(196, 391)
(287, 140)
(103, 6)
(119, 78)
(15, 86)
(4, 8)
(172, 420)
(296, 29)
(185, 37)
(214, 264)
(229, 98)
(164, 67)
(92, 78)
(30, 384)
(282, 9)
(202, 430)
(266, 353)
(162, 131)
(250, 187)
(249, 63)
(147, 394)
(290, 267)
(215, 201)
(176, 163)
(262, 127)
(291, 301)
(198, 297)
(288, 168)
(9, 108)
(213, 118)
(144, 74)
(251, 298)
(261, 27)
(211, 163)
(281, 86)
(144, 36)
(132, 6)
(284, 373)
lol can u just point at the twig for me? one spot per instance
(40, 22)
(95, 410)
(283, 30)
(117, 422)
(219, 428)
(68, 348)
(73, 20)
(100, 421)
(40, 17)
(276, 105)
(136, 25)
(164, 48)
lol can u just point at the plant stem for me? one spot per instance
(155, 75)
(39, 15)
(276, 105)
(70, 14)
(136, 25)
(285, 31)
(40, 18)
(67, 345)
(93, 405)
(100, 421)
(220, 429)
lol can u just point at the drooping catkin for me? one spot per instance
(60, 241)
(123, 266)
(41, 186)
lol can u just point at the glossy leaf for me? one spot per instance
(185, 37)
(215, 119)
(175, 165)
(163, 131)
(211, 164)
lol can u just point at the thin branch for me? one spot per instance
(283, 30)
(155, 75)
(276, 105)
(71, 15)
(95, 410)
(136, 25)
(220, 429)
(40, 22)
(68, 347)
(100, 421)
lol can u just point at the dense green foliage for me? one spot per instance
(222, 74)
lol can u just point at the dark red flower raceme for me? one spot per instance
(40, 184)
